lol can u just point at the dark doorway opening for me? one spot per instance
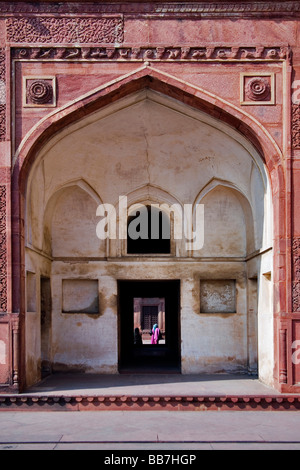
(143, 304)
(149, 232)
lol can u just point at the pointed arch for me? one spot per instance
(78, 188)
(147, 195)
(244, 202)
(143, 78)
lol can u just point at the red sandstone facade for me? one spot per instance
(237, 61)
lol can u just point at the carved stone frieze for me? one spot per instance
(183, 8)
(49, 30)
(154, 53)
(3, 250)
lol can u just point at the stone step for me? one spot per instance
(22, 402)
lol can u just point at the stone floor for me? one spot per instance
(148, 431)
(151, 384)
(27, 423)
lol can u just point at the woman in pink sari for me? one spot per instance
(155, 334)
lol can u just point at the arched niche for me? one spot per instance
(229, 229)
(70, 221)
(163, 202)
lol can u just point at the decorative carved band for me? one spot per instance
(3, 251)
(296, 126)
(182, 8)
(155, 53)
(296, 274)
(107, 30)
(296, 296)
(2, 95)
(233, 7)
(296, 258)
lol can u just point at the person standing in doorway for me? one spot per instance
(137, 337)
(155, 335)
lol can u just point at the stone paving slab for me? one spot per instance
(146, 430)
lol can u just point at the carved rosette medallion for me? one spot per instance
(258, 89)
(39, 92)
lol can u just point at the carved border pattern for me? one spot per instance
(2, 96)
(107, 30)
(296, 274)
(215, 8)
(296, 258)
(154, 53)
(296, 126)
(3, 250)
(296, 296)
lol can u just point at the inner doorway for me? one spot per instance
(142, 305)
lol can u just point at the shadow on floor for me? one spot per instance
(150, 384)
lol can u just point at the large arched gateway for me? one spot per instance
(154, 151)
(148, 190)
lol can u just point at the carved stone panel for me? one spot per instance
(2, 95)
(49, 30)
(296, 126)
(3, 250)
(296, 274)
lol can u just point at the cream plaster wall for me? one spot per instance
(151, 148)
